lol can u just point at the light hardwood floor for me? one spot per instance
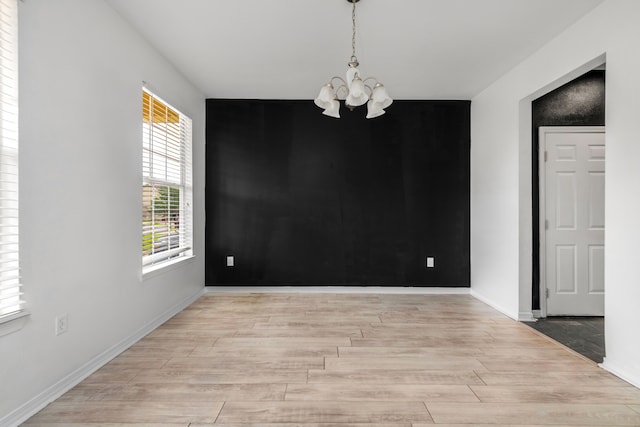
(345, 360)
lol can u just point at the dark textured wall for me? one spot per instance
(300, 198)
(578, 103)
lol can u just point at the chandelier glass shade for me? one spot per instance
(354, 90)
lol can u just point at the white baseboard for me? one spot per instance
(621, 372)
(526, 316)
(30, 408)
(331, 289)
(492, 304)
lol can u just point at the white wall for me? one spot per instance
(501, 173)
(81, 73)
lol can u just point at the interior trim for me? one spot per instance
(332, 289)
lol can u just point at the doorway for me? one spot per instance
(577, 103)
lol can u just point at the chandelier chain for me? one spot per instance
(353, 32)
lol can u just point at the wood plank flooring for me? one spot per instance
(344, 360)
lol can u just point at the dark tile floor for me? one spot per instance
(582, 334)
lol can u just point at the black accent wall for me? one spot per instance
(303, 199)
(580, 102)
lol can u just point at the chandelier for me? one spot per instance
(354, 90)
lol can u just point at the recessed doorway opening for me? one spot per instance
(568, 213)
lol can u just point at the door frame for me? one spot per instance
(542, 213)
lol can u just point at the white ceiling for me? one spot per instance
(287, 49)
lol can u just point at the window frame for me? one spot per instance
(162, 135)
(12, 306)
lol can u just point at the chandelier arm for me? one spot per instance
(342, 81)
(371, 78)
(370, 90)
(345, 93)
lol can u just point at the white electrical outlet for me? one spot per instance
(230, 260)
(430, 262)
(62, 324)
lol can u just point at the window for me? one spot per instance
(11, 304)
(166, 185)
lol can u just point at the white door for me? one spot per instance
(572, 220)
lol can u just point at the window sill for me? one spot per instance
(151, 271)
(13, 323)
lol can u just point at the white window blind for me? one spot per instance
(166, 187)
(11, 303)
